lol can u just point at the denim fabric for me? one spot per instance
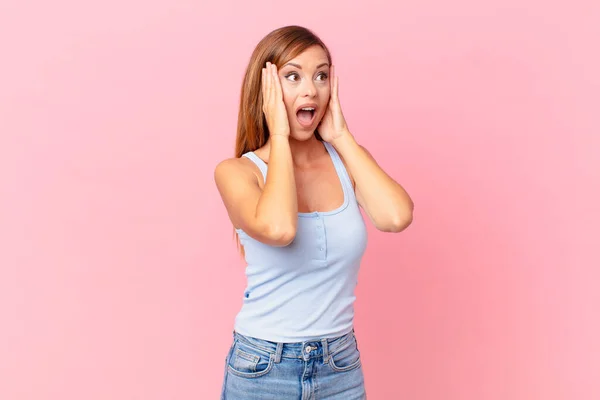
(326, 369)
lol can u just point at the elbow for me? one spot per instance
(281, 235)
(398, 222)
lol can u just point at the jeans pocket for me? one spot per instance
(247, 361)
(347, 358)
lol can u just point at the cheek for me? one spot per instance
(324, 91)
(288, 98)
(324, 95)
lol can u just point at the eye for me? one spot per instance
(292, 74)
(322, 75)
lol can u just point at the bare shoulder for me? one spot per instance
(235, 170)
(234, 164)
(238, 185)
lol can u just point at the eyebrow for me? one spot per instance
(299, 67)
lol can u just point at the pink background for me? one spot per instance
(119, 278)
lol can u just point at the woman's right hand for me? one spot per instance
(273, 105)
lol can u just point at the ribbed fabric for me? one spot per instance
(305, 290)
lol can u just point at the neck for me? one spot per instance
(305, 151)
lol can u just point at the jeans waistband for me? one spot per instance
(307, 349)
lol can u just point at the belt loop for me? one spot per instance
(278, 352)
(325, 351)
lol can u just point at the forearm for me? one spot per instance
(277, 207)
(385, 200)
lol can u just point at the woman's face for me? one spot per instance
(305, 84)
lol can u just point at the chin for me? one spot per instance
(302, 133)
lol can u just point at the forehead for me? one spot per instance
(311, 57)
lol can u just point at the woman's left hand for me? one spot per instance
(333, 125)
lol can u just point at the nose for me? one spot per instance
(309, 88)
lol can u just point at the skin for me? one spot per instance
(302, 176)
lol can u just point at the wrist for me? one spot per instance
(344, 140)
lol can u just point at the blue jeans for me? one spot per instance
(326, 369)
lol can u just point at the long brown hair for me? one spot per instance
(277, 47)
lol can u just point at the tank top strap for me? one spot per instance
(335, 157)
(339, 167)
(258, 161)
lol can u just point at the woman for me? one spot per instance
(293, 193)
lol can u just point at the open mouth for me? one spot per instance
(306, 116)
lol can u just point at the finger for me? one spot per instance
(337, 88)
(266, 77)
(277, 82)
(274, 81)
(263, 86)
(334, 84)
(267, 93)
(331, 78)
(271, 84)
